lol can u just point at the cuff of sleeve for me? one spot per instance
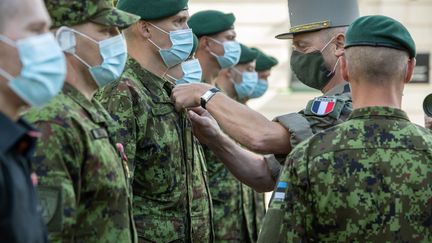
(297, 125)
(274, 166)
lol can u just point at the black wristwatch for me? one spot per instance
(205, 98)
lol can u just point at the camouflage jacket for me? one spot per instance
(171, 196)
(321, 113)
(238, 209)
(366, 180)
(226, 192)
(82, 180)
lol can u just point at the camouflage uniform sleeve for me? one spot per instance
(57, 162)
(298, 126)
(298, 201)
(119, 102)
(304, 124)
(274, 164)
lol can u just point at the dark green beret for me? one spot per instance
(74, 12)
(153, 9)
(247, 55)
(211, 22)
(264, 62)
(380, 31)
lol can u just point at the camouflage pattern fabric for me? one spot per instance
(82, 181)
(309, 123)
(238, 209)
(226, 192)
(254, 211)
(171, 195)
(74, 12)
(366, 180)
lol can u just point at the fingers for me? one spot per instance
(195, 118)
(199, 110)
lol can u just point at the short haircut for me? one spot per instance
(379, 65)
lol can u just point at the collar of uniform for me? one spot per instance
(339, 89)
(14, 132)
(152, 82)
(374, 111)
(80, 99)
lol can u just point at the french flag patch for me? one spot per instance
(323, 106)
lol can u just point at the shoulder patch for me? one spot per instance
(323, 106)
(52, 207)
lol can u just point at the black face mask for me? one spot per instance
(310, 68)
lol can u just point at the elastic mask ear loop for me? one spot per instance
(217, 42)
(328, 43)
(11, 43)
(334, 68)
(83, 35)
(163, 31)
(7, 41)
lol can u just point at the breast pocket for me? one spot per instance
(162, 168)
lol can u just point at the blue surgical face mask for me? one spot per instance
(247, 85)
(43, 69)
(113, 52)
(260, 89)
(192, 72)
(231, 57)
(182, 45)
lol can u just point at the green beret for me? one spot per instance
(264, 62)
(153, 9)
(74, 12)
(211, 22)
(195, 44)
(247, 55)
(380, 31)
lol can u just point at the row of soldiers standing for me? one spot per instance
(131, 149)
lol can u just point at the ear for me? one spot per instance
(204, 43)
(340, 41)
(142, 29)
(344, 68)
(410, 70)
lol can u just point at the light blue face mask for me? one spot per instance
(182, 45)
(231, 57)
(247, 85)
(113, 52)
(43, 69)
(260, 89)
(192, 72)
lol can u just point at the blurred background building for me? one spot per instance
(259, 21)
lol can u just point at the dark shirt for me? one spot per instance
(20, 221)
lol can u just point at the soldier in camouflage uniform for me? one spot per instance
(32, 72)
(83, 181)
(318, 34)
(370, 178)
(171, 196)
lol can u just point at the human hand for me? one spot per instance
(188, 95)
